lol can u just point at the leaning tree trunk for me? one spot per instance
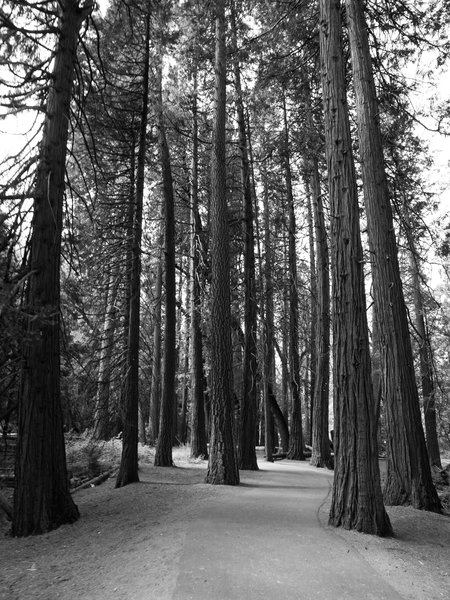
(357, 500)
(321, 455)
(296, 435)
(42, 500)
(199, 446)
(163, 453)
(128, 470)
(248, 421)
(408, 478)
(222, 465)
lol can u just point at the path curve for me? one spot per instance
(265, 539)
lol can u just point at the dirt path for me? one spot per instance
(172, 537)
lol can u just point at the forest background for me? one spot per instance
(130, 328)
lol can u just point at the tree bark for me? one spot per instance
(357, 500)
(408, 479)
(42, 500)
(222, 465)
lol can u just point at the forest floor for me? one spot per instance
(172, 537)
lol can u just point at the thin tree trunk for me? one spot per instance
(408, 478)
(198, 383)
(222, 465)
(296, 435)
(269, 327)
(42, 500)
(426, 364)
(357, 500)
(321, 455)
(163, 454)
(128, 470)
(314, 310)
(155, 399)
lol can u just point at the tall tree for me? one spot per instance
(163, 454)
(247, 443)
(222, 465)
(199, 446)
(128, 470)
(296, 435)
(42, 500)
(321, 455)
(357, 500)
(408, 478)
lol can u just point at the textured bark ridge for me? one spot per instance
(357, 500)
(408, 479)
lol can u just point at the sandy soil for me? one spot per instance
(128, 543)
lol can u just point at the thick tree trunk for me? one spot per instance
(296, 435)
(199, 446)
(163, 454)
(408, 479)
(42, 500)
(128, 470)
(247, 444)
(321, 455)
(222, 465)
(357, 500)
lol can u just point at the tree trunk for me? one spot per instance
(426, 364)
(128, 470)
(199, 446)
(321, 455)
(247, 445)
(163, 454)
(42, 500)
(269, 327)
(155, 399)
(296, 436)
(408, 479)
(101, 415)
(314, 310)
(222, 465)
(357, 500)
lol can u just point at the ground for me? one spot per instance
(172, 537)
